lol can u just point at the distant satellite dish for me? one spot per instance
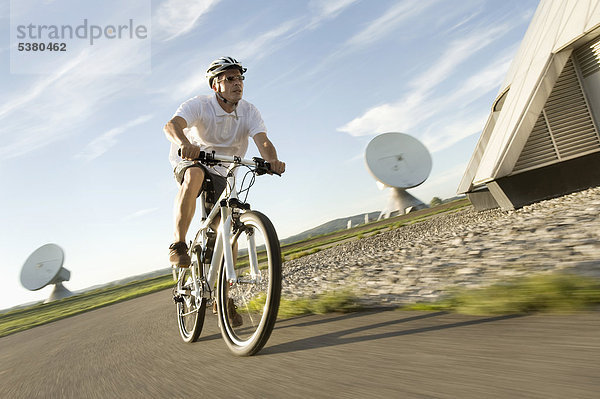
(399, 161)
(45, 266)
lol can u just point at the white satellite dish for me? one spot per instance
(399, 161)
(45, 266)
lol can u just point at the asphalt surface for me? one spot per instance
(133, 350)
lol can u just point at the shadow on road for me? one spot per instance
(291, 322)
(208, 337)
(368, 332)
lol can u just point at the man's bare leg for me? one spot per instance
(185, 206)
(185, 202)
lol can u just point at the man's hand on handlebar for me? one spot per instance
(189, 151)
(277, 166)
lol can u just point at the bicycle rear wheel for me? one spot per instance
(254, 299)
(190, 311)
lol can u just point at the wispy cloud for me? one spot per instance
(104, 142)
(266, 43)
(389, 21)
(422, 105)
(465, 20)
(453, 128)
(174, 18)
(382, 26)
(457, 53)
(320, 11)
(326, 9)
(260, 46)
(442, 184)
(140, 213)
(39, 87)
(195, 84)
(65, 100)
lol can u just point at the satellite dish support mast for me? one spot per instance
(401, 201)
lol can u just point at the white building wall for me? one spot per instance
(556, 28)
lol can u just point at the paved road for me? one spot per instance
(133, 350)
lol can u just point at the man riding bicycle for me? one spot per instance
(220, 122)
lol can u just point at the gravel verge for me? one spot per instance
(421, 262)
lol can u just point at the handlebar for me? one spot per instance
(210, 158)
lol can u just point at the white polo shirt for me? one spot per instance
(213, 129)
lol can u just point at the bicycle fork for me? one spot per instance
(226, 248)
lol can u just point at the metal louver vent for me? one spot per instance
(588, 57)
(564, 129)
(539, 148)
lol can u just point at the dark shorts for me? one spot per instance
(213, 184)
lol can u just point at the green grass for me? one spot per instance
(336, 301)
(297, 255)
(299, 252)
(35, 315)
(344, 301)
(555, 293)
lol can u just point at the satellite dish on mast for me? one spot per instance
(45, 266)
(398, 161)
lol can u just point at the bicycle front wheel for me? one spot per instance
(248, 308)
(190, 311)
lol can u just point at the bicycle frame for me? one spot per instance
(222, 247)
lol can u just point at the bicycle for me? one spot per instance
(242, 257)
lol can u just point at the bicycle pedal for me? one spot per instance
(177, 299)
(236, 203)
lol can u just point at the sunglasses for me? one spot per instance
(232, 78)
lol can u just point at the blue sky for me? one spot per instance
(84, 161)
